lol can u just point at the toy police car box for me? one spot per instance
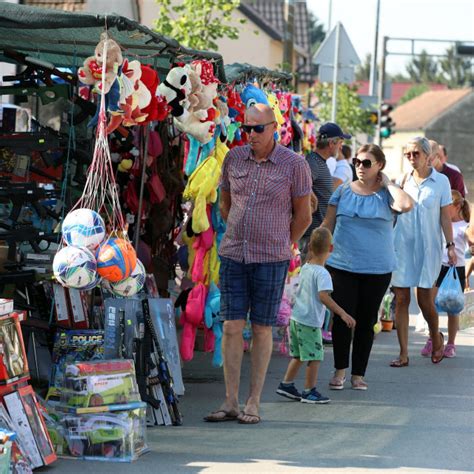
(70, 346)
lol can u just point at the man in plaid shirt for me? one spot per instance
(265, 200)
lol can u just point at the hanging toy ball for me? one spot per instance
(75, 267)
(96, 282)
(83, 228)
(116, 259)
(131, 285)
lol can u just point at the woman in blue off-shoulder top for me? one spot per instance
(360, 215)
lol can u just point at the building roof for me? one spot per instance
(419, 112)
(270, 16)
(398, 90)
(66, 5)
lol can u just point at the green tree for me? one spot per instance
(423, 68)
(454, 70)
(413, 92)
(316, 32)
(350, 116)
(363, 70)
(198, 24)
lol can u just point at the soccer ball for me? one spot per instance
(131, 285)
(75, 267)
(83, 228)
(96, 282)
(116, 259)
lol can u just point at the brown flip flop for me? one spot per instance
(214, 418)
(255, 419)
(399, 363)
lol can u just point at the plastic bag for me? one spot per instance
(450, 298)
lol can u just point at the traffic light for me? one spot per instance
(372, 118)
(386, 122)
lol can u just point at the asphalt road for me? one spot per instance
(417, 419)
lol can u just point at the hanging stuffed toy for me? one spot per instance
(191, 318)
(252, 95)
(91, 74)
(175, 89)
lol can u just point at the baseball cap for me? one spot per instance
(332, 130)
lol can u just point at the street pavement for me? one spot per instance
(417, 419)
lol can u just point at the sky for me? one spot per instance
(424, 19)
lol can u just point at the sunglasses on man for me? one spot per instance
(260, 128)
(365, 163)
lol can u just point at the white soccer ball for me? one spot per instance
(129, 286)
(83, 228)
(96, 282)
(75, 267)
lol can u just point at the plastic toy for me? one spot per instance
(97, 383)
(13, 360)
(117, 436)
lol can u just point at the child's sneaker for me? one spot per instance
(450, 351)
(428, 349)
(289, 391)
(313, 396)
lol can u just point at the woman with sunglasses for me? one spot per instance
(360, 215)
(419, 246)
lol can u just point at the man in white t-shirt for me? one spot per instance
(343, 172)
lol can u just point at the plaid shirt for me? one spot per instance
(258, 226)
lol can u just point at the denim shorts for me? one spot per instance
(254, 288)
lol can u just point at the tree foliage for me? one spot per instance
(350, 116)
(454, 70)
(423, 68)
(363, 70)
(413, 92)
(316, 32)
(198, 24)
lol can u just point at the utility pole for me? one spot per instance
(381, 91)
(288, 50)
(330, 15)
(373, 62)
(335, 73)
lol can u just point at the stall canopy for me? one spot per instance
(66, 39)
(242, 72)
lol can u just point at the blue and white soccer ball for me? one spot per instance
(96, 282)
(75, 267)
(83, 228)
(129, 286)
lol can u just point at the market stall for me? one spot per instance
(109, 184)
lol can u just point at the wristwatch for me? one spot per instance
(449, 244)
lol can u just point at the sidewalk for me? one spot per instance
(415, 419)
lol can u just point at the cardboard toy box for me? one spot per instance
(13, 360)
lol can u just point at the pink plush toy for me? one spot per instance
(202, 245)
(190, 319)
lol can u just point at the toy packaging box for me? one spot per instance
(98, 383)
(6, 306)
(113, 436)
(73, 346)
(13, 360)
(30, 427)
(19, 461)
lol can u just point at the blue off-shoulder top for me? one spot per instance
(363, 235)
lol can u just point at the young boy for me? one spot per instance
(307, 319)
